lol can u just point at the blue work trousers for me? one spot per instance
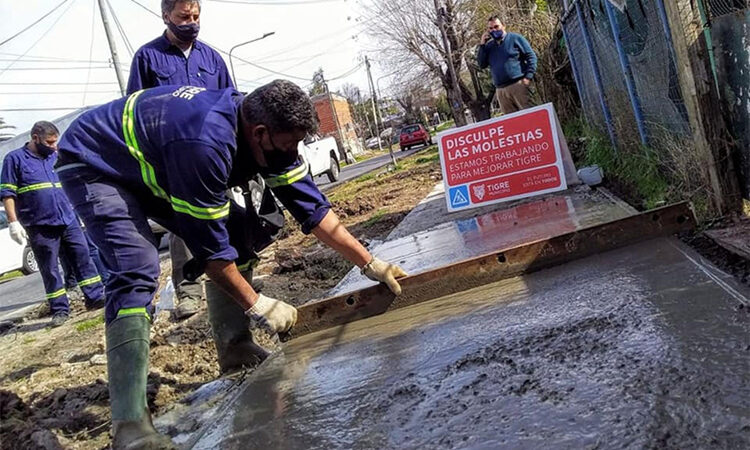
(49, 242)
(68, 273)
(116, 220)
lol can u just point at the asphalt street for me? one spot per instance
(28, 290)
(355, 170)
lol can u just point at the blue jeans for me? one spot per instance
(116, 221)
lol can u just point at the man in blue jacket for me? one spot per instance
(170, 153)
(512, 64)
(177, 57)
(37, 209)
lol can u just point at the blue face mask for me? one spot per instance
(497, 34)
(185, 33)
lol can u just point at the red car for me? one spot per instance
(412, 135)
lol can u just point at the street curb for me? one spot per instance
(18, 314)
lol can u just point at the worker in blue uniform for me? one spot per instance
(170, 153)
(177, 57)
(38, 209)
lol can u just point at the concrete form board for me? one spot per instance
(465, 234)
(645, 346)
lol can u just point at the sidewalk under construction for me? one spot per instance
(561, 322)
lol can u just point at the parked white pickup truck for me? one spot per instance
(321, 155)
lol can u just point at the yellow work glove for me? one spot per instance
(378, 270)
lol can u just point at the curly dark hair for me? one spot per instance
(281, 106)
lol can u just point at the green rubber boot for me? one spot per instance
(234, 343)
(127, 364)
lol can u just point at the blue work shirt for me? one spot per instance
(180, 146)
(509, 60)
(31, 180)
(161, 63)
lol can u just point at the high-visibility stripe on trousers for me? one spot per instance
(48, 242)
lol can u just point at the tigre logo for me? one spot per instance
(187, 92)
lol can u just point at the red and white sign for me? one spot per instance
(514, 156)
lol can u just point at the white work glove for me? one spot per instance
(272, 314)
(17, 233)
(378, 270)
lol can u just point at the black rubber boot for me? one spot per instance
(127, 364)
(234, 343)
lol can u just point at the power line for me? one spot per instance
(275, 2)
(57, 68)
(35, 22)
(66, 61)
(349, 72)
(146, 8)
(62, 108)
(307, 59)
(31, 83)
(40, 37)
(58, 92)
(50, 59)
(91, 48)
(124, 35)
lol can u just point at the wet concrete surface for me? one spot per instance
(475, 233)
(643, 347)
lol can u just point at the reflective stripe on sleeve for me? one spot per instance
(12, 187)
(288, 178)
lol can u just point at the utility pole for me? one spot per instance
(374, 99)
(455, 97)
(112, 48)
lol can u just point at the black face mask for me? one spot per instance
(277, 158)
(44, 150)
(185, 33)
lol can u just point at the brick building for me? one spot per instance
(327, 120)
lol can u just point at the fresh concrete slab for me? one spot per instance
(645, 346)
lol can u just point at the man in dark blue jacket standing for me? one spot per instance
(512, 63)
(177, 57)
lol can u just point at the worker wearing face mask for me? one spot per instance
(177, 57)
(39, 211)
(170, 153)
(512, 63)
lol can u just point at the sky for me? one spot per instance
(64, 60)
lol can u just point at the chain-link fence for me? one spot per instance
(718, 8)
(625, 69)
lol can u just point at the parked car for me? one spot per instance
(412, 135)
(372, 142)
(321, 156)
(14, 256)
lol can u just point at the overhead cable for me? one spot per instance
(35, 22)
(275, 2)
(40, 37)
(119, 27)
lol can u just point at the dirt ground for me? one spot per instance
(53, 389)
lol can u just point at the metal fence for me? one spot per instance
(717, 8)
(624, 66)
